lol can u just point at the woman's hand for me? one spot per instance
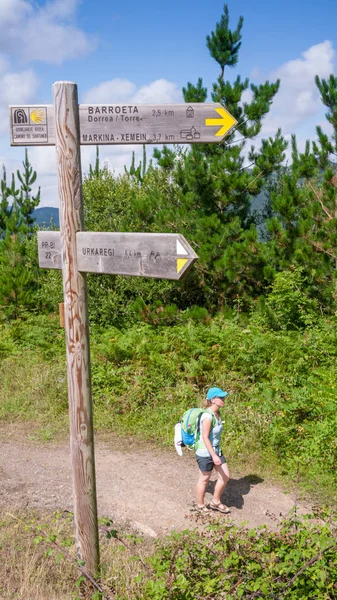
(217, 460)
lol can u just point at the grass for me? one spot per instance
(24, 570)
(33, 388)
(34, 568)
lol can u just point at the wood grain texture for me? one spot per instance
(76, 324)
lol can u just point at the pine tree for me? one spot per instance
(96, 171)
(17, 280)
(23, 199)
(5, 208)
(304, 227)
(19, 198)
(216, 188)
(138, 173)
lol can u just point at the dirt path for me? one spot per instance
(152, 491)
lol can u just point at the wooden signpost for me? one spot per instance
(158, 255)
(67, 125)
(125, 124)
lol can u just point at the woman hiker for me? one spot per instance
(209, 455)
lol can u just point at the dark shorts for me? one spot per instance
(205, 463)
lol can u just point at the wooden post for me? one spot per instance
(67, 141)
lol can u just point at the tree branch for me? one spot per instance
(319, 198)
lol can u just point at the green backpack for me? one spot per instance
(190, 425)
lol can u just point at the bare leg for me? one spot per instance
(204, 477)
(223, 479)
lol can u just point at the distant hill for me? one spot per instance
(46, 216)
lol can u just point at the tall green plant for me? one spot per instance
(17, 203)
(303, 229)
(17, 280)
(213, 206)
(18, 197)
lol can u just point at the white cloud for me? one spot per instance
(18, 88)
(160, 91)
(123, 90)
(44, 159)
(247, 96)
(298, 98)
(15, 88)
(60, 8)
(42, 33)
(13, 11)
(114, 91)
(53, 43)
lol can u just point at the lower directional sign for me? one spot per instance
(158, 255)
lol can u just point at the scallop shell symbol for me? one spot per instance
(37, 115)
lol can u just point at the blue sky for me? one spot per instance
(146, 51)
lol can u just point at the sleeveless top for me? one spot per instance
(214, 436)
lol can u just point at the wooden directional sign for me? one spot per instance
(125, 124)
(157, 255)
(49, 249)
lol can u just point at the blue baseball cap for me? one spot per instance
(216, 393)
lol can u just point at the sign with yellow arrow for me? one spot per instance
(110, 124)
(226, 122)
(157, 255)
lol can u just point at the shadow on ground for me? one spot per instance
(236, 490)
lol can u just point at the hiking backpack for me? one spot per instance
(190, 425)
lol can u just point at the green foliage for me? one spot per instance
(303, 227)
(4, 200)
(18, 200)
(288, 306)
(282, 405)
(139, 172)
(328, 90)
(95, 171)
(212, 189)
(219, 560)
(297, 562)
(203, 192)
(193, 93)
(17, 280)
(33, 378)
(224, 44)
(23, 201)
(126, 204)
(280, 413)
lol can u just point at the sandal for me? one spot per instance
(219, 507)
(202, 509)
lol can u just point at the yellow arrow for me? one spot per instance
(226, 121)
(181, 262)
